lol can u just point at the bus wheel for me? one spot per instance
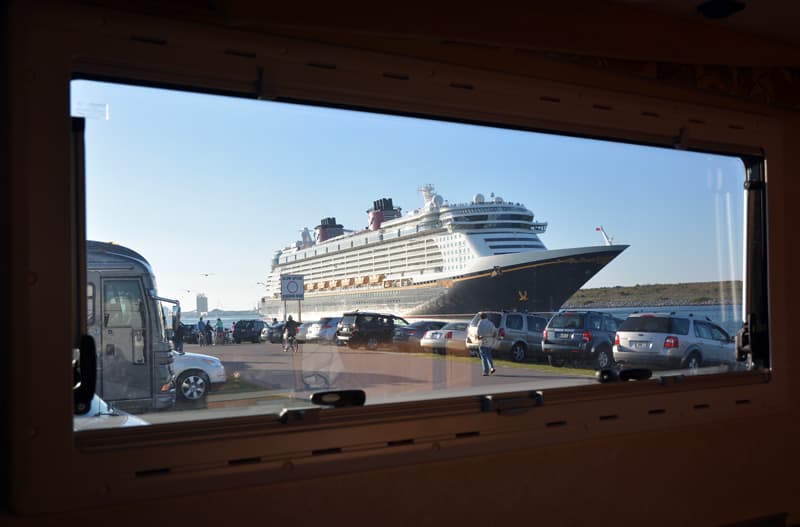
(192, 385)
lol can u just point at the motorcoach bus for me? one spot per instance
(125, 318)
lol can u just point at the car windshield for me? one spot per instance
(428, 220)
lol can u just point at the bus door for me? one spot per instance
(123, 343)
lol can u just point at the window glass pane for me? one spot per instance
(420, 220)
(90, 304)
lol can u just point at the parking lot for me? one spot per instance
(384, 375)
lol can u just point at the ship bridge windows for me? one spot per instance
(492, 225)
(519, 246)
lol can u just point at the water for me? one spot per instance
(729, 317)
(226, 320)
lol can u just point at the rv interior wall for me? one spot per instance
(690, 472)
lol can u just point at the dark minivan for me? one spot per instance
(360, 328)
(250, 330)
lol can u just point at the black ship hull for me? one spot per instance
(539, 282)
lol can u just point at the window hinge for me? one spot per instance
(754, 184)
(744, 348)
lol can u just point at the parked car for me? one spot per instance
(302, 331)
(103, 415)
(582, 336)
(406, 338)
(519, 335)
(250, 330)
(275, 332)
(323, 330)
(196, 373)
(666, 341)
(368, 329)
(449, 339)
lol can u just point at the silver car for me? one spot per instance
(668, 341)
(450, 339)
(323, 330)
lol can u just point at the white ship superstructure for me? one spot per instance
(436, 241)
(443, 258)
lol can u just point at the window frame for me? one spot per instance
(110, 463)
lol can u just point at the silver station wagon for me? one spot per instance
(669, 341)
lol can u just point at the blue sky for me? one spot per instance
(203, 184)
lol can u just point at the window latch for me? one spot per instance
(511, 405)
(330, 399)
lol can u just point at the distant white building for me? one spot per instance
(202, 303)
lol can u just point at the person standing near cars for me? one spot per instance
(486, 334)
(177, 337)
(220, 332)
(209, 334)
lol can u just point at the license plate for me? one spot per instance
(640, 345)
(563, 335)
(436, 335)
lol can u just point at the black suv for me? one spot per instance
(581, 336)
(275, 332)
(250, 330)
(361, 328)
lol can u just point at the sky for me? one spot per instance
(208, 187)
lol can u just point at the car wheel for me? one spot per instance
(557, 363)
(694, 361)
(604, 359)
(192, 385)
(518, 352)
(372, 343)
(237, 341)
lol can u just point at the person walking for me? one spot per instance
(486, 334)
(201, 332)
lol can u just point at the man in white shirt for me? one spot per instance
(486, 334)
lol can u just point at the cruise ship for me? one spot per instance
(443, 259)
